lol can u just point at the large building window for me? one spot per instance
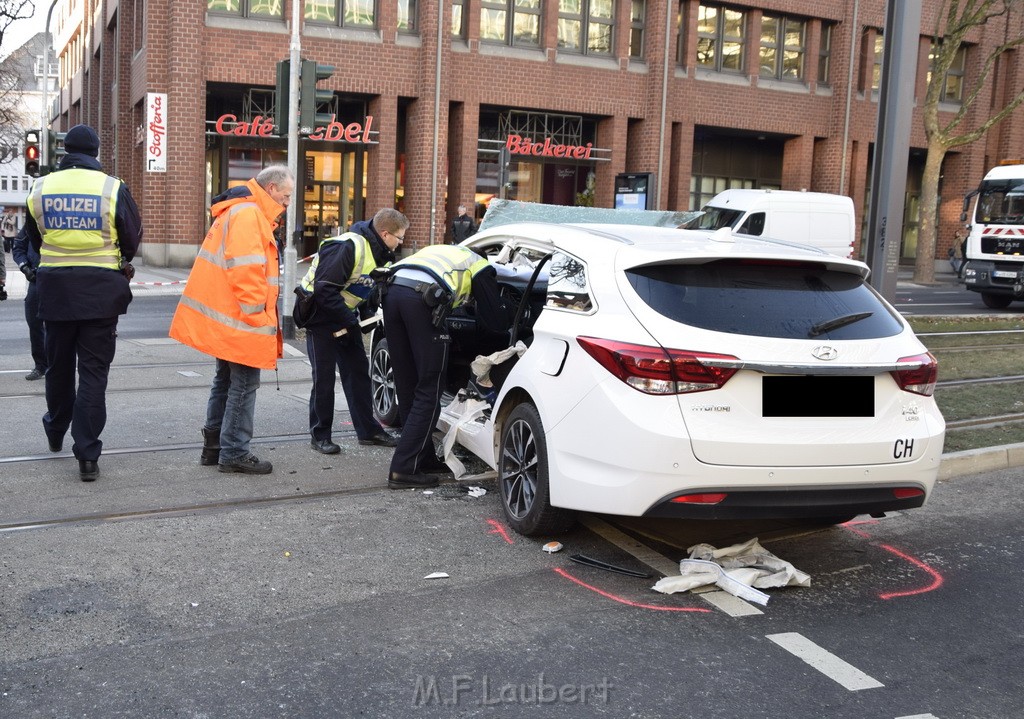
(247, 8)
(407, 16)
(347, 13)
(825, 54)
(512, 22)
(637, 19)
(953, 82)
(720, 38)
(782, 47)
(585, 26)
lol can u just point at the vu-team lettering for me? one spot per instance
(72, 212)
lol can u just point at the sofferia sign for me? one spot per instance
(334, 131)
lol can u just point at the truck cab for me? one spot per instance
(995, 240)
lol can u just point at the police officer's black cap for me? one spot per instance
(82, 139)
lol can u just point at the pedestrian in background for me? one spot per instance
(340, 281)
(86, 228)
(463, 226)
(8, 230)
(423, 288)
(27, 259)
(229, 311)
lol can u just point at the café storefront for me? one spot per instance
(241, 139)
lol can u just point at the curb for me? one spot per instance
(985, 459)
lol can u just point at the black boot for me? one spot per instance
(211, 447)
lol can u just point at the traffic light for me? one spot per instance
(32, 153)
(282, 96)
(55, 148)
(311, 97)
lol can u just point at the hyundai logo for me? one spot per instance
(824, 352)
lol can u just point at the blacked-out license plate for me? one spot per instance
(817, 396)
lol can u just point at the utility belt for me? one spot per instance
(439, 298)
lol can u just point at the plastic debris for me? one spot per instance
(598, 564)
(552, 547)
(437, 575)
(741, 570)
(476, 491)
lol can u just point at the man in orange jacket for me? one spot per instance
(229, 311)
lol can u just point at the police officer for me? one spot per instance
(86, 227)
(422, 289)
(27, 260)
(340, 281)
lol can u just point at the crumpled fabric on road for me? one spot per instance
(740, 569)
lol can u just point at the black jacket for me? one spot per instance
(332, 272)
(463, 228)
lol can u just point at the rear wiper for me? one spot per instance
(837, 322)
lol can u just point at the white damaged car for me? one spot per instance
(668, 373)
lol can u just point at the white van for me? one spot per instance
(809, 218)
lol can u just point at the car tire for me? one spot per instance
(996, 302)
(523, 476)
(382, 385)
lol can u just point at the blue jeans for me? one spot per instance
(231, 407)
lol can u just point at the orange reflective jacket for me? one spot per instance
(229, 307)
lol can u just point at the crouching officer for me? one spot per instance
(423, 289)
(340, 281)
(86, 227)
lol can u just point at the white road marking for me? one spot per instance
(919, 716)
(733, 606)
(825, 662)
(294, 352)
(935, 304)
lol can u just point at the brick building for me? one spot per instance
(705, 96)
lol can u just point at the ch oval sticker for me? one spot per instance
(825, 352)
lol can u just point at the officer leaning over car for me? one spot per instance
(340, 282)
(422, 290)
(86, 227)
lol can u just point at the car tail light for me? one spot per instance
(907, 492)
(706, 498)
(655, 370)
(920, 374)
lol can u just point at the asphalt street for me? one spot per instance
(167, 589)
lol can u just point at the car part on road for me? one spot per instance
(598, 564)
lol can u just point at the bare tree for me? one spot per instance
(961, 17)
(11, 120)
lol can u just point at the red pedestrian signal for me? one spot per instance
(32, 153)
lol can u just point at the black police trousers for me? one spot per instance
(419, 358)
(349, 356)
(90, 344)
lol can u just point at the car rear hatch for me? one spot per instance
(786, 363)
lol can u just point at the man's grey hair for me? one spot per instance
(274, 175)
(389, 219)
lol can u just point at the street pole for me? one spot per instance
(892, 144)
(292, 231)
(44, 121)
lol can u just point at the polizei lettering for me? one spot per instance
(72, 212)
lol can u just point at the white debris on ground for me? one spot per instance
(741, 570)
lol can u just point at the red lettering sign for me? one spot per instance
(518, 145)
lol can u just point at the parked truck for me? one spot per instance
(995, 239)
(818, 219)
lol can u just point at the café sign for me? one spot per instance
(261, 126)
